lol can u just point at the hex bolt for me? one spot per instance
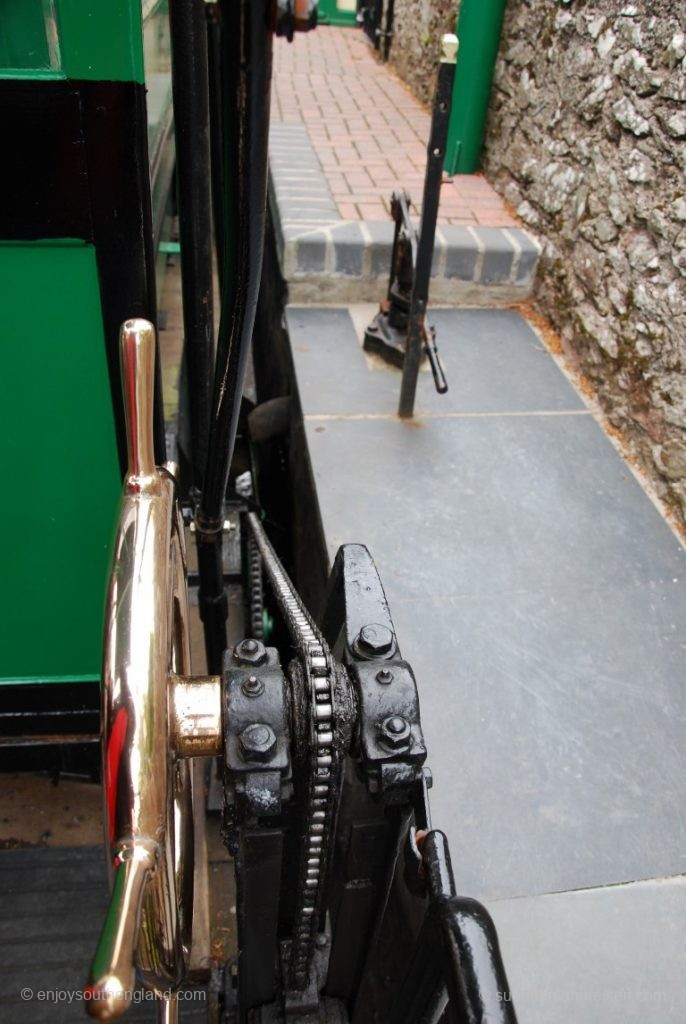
(384, 676)
(374, 640)
(257, 742)
(395, 732)
(252, 687)
(252, 652)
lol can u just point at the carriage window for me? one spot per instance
(28, 37)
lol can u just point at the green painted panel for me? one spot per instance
(337, 12)
(101, 40)
(59, 459)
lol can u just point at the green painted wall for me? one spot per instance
(59, 460)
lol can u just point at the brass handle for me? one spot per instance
(113, 968)
(137, 353)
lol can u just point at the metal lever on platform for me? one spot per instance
(434, 360)
(150, 725)
(399, 332)
(440, 119)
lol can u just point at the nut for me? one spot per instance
(251, 652)
(252, 687)
(384, 676)
(374, 640)
(257, 742)
(395, 732)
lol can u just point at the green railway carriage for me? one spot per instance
(86, 115)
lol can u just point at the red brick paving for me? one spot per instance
(369, 132)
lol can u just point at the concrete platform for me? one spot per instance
(541, 598)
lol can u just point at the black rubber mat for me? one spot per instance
(52, 905)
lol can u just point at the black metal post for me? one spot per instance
(191, 119)
(427, 234)
(388, 34)
(246, 59)
(213, 12)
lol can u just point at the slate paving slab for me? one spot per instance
(541, 599)
(598, 956)
(493, 360)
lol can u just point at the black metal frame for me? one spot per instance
(427, 955)
(371, 14)
(189, 44)
(400, 333)
(416, 338)
(395, 943)
(225, 121)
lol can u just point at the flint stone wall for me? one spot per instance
(416, 47)
(587, 140)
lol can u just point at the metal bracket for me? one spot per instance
(358, 625)
(256, 731)
(392, 748)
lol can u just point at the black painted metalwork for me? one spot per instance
(388, 333)
(191, 118)
(246, 47)
(400, 332)
(456, 971)
(246, 76)
(258, 779)
(370, 15)
(419, 950)
(393, 941)
(214, 51)
(387, 33)
(417, 335)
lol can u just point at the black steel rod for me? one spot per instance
(246, 76)
(388, 34)
(427, 234)
(213, 12)
(246, 59)
(191, 119)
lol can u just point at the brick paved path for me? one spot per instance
(368, 131)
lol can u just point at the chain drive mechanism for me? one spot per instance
(318, 669)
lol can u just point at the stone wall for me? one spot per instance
(586, 139)
(416, 48)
